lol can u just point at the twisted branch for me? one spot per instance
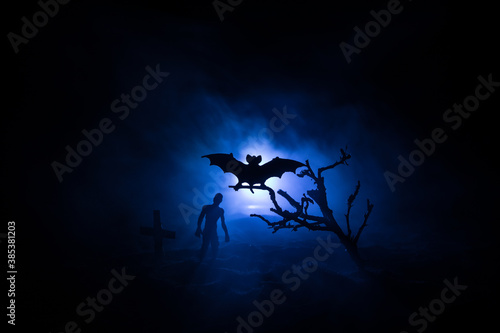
(308, 172)
(300, 218)
(343, 160)
(349, 206)
(261, 187)
(367, 214)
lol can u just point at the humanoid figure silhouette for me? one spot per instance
(211, 213)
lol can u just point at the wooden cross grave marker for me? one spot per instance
(157, 232)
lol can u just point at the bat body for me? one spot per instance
(253, 173)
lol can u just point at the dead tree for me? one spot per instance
(300, 218)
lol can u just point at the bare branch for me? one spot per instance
(315, 195)
(308, 172)
(367, 214)
(302, 222)
(298, 216)
(261, 187)
(349, 206)
(291, 200)
(343, 160)
(305, 203)
(311, 226)
(282, 224)
(262, 218)
(319, 219)
(274, 225)
(274, 210)
(301, 209)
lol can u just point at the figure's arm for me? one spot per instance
(200, 220)
(224, 227)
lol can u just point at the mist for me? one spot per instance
(212, 102)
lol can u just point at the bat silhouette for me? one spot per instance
(253, 173)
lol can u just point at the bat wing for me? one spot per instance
(227, 163)
(278, 166)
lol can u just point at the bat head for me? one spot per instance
(255, 160)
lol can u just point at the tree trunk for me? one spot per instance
(319, 196)
(352, 250)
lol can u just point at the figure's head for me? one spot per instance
(217, 198)
(254, 159)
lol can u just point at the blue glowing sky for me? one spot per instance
(229, 86)
(225, 81)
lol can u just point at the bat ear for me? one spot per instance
(259, 159)
(249, 158)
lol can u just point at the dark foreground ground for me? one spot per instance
(176, 294)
